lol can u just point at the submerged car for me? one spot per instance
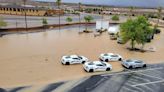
(132, 63)
(110, 57)
(73, 59)
(97, 66)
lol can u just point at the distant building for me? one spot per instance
(29, 10)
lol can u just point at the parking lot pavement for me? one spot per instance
(150, 79)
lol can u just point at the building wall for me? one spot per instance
(20, 11)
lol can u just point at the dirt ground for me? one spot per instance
(34, 58)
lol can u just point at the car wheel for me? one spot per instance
(130, 67)
(144, 65)
(83, 62)
(67, 63)
(106, 60)
(62, 63)
(108, 69)
(91, 70)
(120, 59)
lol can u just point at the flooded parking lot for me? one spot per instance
(34, 58)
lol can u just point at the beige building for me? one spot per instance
(30, 11)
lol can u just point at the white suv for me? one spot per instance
(110, 57)
(73, 59)
(132, 63)
(97, 66)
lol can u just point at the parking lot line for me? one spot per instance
(160, 81)
(131, 71)
(151, 76)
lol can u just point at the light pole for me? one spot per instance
(25, 13)
(79, 15)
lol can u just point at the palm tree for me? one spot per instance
(58, 2)
(159, 15)
(79, 15)
(87, 20)
(44, 22)
(131, 8)
(2, 22)
(102, 15)
(24, 1)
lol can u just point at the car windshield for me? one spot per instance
(67, 57)
(105, 54)
(91, 63)
(129, 60)
(103, 64)
(80, 57)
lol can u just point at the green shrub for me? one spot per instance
(115, 18)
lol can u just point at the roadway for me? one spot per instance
(14, 21)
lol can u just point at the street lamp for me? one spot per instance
(24, 1)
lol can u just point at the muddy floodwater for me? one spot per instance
(34, 58)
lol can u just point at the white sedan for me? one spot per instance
(132, 63)
(97, 66)
(73, 59)
(110, 57)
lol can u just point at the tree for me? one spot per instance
(44, 22)
(58, 2)
(79, 15)
(115, 18)
(136, 31)
(87, 19)
(2, 23)
(158, 15)
(69, 19)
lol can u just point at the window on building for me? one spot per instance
(18, 10)
(14, 9)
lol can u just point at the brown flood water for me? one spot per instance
(34, 58)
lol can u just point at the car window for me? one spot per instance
(75, 58)
(99, 65)
(91, 63)
(138, 61)
(114, 55)
(68, 57)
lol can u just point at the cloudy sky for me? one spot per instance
(143, 3)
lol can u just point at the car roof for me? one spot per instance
(74, 56)
(97, 62)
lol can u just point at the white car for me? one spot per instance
(73, 59)
(96, 66)
(132, 63)
(110, 57)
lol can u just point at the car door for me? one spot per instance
(100, 67)
(114, 58)
(75, 60)
(138, 64)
